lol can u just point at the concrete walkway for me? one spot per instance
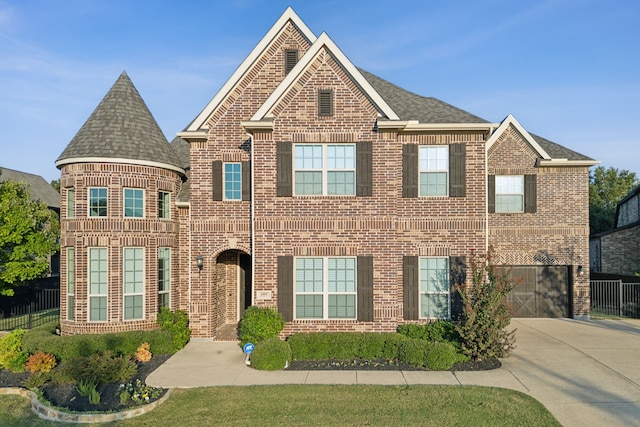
(585, 372)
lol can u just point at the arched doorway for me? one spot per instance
(232, 292)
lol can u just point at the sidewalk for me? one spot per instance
(585, 372)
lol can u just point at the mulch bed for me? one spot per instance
(66, 396)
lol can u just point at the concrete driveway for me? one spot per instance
(587, 373)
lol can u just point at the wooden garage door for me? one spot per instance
(542, 291)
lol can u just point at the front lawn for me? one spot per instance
(319, 405)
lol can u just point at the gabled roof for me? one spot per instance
(200, 122)
(324, 42)
(121, 130)
(550, 153)
(39, 188)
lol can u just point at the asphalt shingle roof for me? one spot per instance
(121, 127)
(557, 151)
(39, 188)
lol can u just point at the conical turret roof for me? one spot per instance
(122, 130)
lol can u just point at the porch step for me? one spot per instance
(228, 332)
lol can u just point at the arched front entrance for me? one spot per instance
(232, 292)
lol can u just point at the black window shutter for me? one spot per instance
(290, 59)
(530, 194)
(284, 169)
(410, 174)
(457, 276)
(457, 178)
(364, 169)
(246, 181)
(410, 286)
(364, 282)
(325, 102)
(491, 193)
(217, 180)
(285, 287)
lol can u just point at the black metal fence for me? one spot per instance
(29, 309)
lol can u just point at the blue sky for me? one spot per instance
(568, 70)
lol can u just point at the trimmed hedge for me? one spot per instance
(433, 355)
(440, 330)
(259, 323)
(68, 347)
(271, 354)
(345, 345)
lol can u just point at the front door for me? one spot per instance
(244, 284)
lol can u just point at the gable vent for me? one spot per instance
(325, 103)
(290, 60)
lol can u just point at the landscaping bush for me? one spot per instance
(176, 323)
(485, 313)
(345, 345)
(414, 352)
(440, 330)
(41, 362)
(442, 355)
(271, 354)
(259, 323)
(101, 368)
(12, 355)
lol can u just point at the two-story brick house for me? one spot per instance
(312, 186)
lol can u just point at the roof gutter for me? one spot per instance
(416, 126)
(566, 162)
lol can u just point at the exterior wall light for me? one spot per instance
(199, 261)
(580, 270)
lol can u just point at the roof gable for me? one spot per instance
(511, 121)
(200, 122)
(121, 130)
(39, 188)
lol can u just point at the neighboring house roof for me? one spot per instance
(38, 187)
(181, 148)
(121, 130)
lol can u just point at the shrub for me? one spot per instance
(12, 355)
(414, 352)
(441, 356)
(101, 367)
(271, 354)
(41, 362)
(485, 313)
(260, 323)
(143, 354)
(345, 345)
(440, 330)
(177, 324)
(87, 388)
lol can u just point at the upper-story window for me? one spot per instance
(325, 169)
(290, 59)
(133, 203)
(434, 170)
(97, 202)
(164, 205)
(71, 202)
(509, 193)
(232, 181)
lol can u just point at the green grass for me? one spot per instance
(320, 405)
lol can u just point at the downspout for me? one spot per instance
(252, 220)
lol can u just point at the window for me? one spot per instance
(434, 288)
(290, 59)
(98, 284)
(325, 103)
(97, 202)
(434, 170)
(164, 277)
(133, 283)
(71, 283)
(164, 205)
(71, 202)
(232, 181)
(509, 193)
(323, 169)
(325, 288)
(133, 203)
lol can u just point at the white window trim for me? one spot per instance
(421, 171)
(167, 205)
(168, 270)
(446, 292)
(497, 209)
(325, 289)
(71, 279)
(124, 283)
(89, 202)
(89, 294)
(224, 181)
(124, 203)
(325, 170)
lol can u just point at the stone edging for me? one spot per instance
(47, 413)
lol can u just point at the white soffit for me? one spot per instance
(510, 120)
(289, 15)
(323, 41)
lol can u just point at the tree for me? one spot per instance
(606, 188)
(27, 237)
(55, 184)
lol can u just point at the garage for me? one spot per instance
(541, 291)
